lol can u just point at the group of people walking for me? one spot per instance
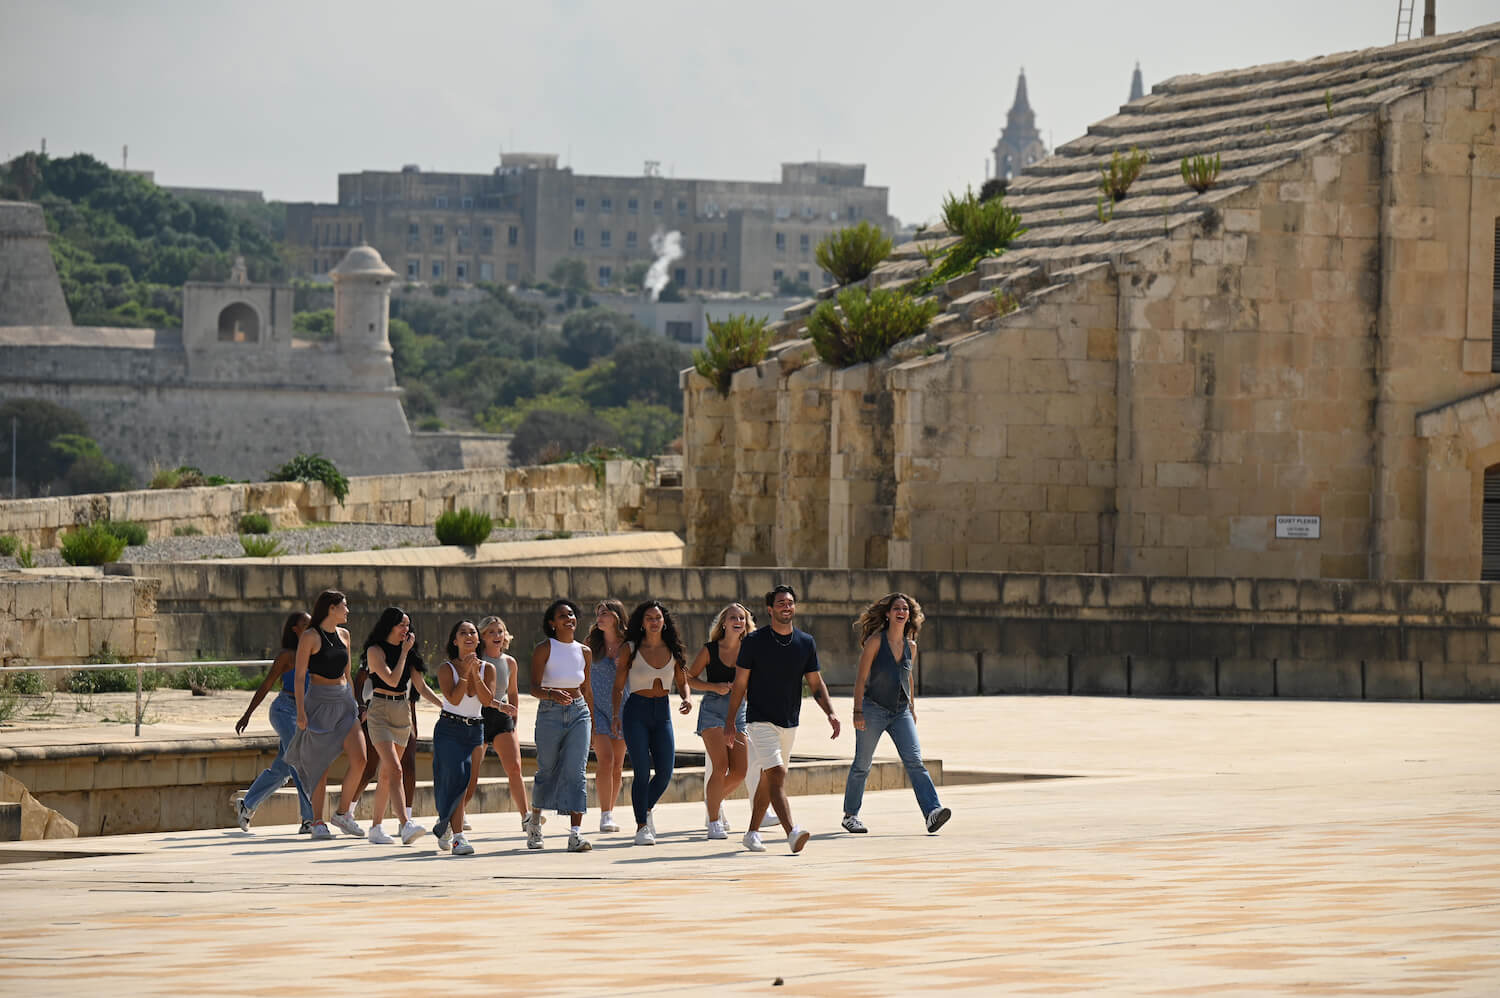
(611, 691)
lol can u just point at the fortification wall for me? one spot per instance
(985, 632)
(546, 497)
(55, 620)
(29, 290)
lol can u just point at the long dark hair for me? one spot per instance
(288, 635)
(327, 600)
(552, 608)
(595, 640)
(635, 631)
(389, 618)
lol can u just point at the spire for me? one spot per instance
(1021, 103)
(1137, 86)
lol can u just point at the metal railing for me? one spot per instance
(140, 673)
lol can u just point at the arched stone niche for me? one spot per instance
(239, 323)
(1462, 441)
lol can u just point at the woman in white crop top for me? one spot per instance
(467, 684)
(500, 720)
(560, 681)
(658, 662)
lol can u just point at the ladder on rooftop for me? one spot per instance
(1405, 10)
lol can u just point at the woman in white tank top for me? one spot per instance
(657, 664)
(500, 719)
(560, 681)
(458, 732)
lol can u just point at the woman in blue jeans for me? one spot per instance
(658, 662)
(885, 701)
(560, 680)
(468, 686)
(283, 717)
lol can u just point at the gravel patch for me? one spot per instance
(300, 540)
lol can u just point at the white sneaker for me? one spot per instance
(411, 831)
(461, 846)
(851, 823)
(346, 824)
(468, 827)
(651, 822)
(716, 830)
(534, 835)
(445, 840)
(379, 836)
(320, 831)
(241, 814)
(724, 821)
(577, 843)
(797, 838)
(644, 836)
(753, 843)
(607, 822)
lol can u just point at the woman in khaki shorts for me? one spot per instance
(389, 659)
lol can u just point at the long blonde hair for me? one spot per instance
(716, 632)
(877, 617)
(485, 622)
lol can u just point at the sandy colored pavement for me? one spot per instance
(1200, 847)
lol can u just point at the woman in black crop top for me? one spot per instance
(327, 716)
(712, 674)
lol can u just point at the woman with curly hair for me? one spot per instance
(712, 674)
(611, 653)
(885, 701)
(658, 662)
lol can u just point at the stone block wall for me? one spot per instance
(707, 470)
(985, 633)
(57, 620)
(549, 497)
(755, 486)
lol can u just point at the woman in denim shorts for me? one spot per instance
(712, 674)
(607, 644)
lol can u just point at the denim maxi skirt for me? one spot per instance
(331, 714)
(562, 757)
(453, 745)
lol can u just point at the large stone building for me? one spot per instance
(232, 392)
(518, 221)
(1293, 373)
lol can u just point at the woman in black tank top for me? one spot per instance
(327, 717)
(712, 674)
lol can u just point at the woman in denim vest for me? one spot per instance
(885, 701)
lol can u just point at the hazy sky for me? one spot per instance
(281, 97)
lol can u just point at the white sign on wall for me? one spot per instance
(1299, 527)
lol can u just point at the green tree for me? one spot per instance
(38, 424)
(548, 434)
(647, 370)
(596, 332)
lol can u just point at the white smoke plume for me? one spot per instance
(668, 248)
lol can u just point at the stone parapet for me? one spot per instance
(63, 620)
(546, 497)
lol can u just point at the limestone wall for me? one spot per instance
(29, 290)
(985, 632)
(47, 620)
(548, 497)
(707, 470)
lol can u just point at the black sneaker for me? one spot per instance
(306, 828)
(937, 819)
(852, 823)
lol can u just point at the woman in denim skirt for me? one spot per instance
(885, 701)
(560, 681)
(712, 674)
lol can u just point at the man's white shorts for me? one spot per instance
(770, 746)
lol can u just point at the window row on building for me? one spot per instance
(463, 232)
(458, 270)
(606, 206)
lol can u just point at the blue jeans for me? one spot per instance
(903, 731)
(647, 723)
(453, 745)
(562, 757)
(283, 717)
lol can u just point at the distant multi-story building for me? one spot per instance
(518, 221)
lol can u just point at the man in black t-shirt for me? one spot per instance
(768, 678)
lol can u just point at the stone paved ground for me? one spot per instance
(1204, 847)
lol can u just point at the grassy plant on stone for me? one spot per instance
(1116, 176)
(734, 343)
(983, 228)
(1005, 302)
(313, 468)
(187, 531)
(861, 326)
(28, 684)
(463, 527)
(25, 557)
(132, 533)
(8, 545)
(93, 544)
(256, 546)
(1200, 172)
(851, 254)
(255, 523)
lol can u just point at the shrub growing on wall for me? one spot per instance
(91, 545)
(851, 254)
(865, 325)
(735, 343)
(313, 468)
(132, 533)
(463, 527)
(983, 227)
(255, 523)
